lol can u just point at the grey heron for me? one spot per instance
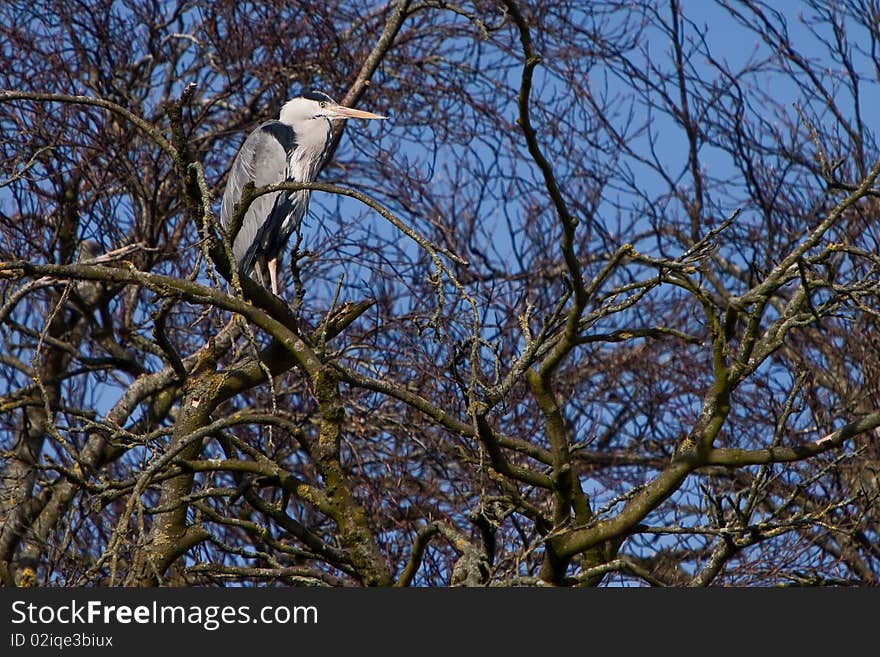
(290, 148)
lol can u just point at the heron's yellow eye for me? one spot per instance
(323, 104)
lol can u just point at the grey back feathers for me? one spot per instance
(269, 156)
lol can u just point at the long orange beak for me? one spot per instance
(342, 112)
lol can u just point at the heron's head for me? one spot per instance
(315, 105)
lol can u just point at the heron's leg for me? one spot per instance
(273, 275)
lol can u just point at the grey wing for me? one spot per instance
(263, 160)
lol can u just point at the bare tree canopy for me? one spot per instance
(595, 306)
